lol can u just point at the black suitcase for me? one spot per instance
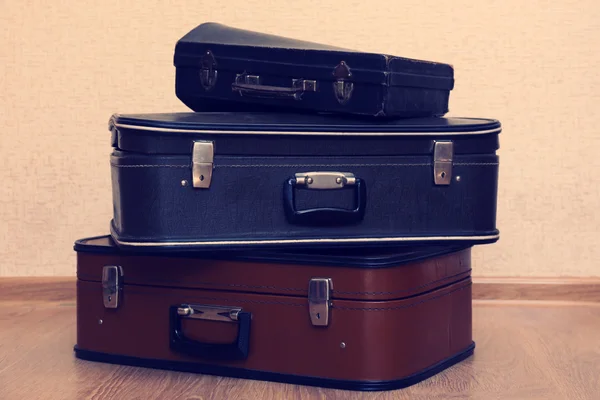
(219, 68)
(221, 180)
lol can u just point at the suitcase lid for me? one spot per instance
(364, 257)
(226, 46)
(354, 274)
(247, 133)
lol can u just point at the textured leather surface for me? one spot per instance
(293, 134)
(383, 340)
(227, 42)
(215, 33)
(269, 277)
(245, 199)
(375, 100)
(426, 85)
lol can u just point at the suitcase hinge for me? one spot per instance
(341, 87)
(208, 74)
(319, 292)
(112, 284)
(202, 164)
(443, 152)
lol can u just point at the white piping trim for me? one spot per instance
(298, 241)
(209, 132)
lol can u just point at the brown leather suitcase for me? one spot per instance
(354, 319)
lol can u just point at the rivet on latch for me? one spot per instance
(319, 292)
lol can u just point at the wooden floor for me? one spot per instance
(525, 350)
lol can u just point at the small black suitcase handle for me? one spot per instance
(274, 92)
(326, 216)
(238, 350)
(247, 85)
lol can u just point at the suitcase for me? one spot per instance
(234, 180)
(354, 319)
(220, 68)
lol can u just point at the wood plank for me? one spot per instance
(37, 289)
(523, 351)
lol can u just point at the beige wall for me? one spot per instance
(65, 67)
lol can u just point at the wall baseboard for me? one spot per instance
(545, 289)
(39, 288)
(63, 289)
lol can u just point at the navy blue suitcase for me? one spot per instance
(220, 68)
(249, 180)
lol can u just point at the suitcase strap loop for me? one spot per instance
(327, 215)
(249, 85)
(238, 350)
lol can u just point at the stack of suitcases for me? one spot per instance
(309, 221)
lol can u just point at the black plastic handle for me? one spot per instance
(237, 350)
(326, 216)
(263, 91)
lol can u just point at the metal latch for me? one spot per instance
(319, 292)
(112, 281)
(325, 180)
(247, 79)
(341, 87)
(305, 85)
(442, 162)
(208, 74)
(212, 313)
(202, 164)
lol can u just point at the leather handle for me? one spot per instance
(327, 215)
(273, 92)
(238, 350)
(249, 85)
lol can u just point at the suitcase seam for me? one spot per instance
(294, 165)
(304, 290)
(149, 166)
(401, 307)
(333, 306)
(320, 165)
(341, 165)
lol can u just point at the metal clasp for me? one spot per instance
(325, 180)
(202, 164)
(443, 153)
(212, 313)
(319, 292)
(341, 87)
(208, 74)
(112, 277)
